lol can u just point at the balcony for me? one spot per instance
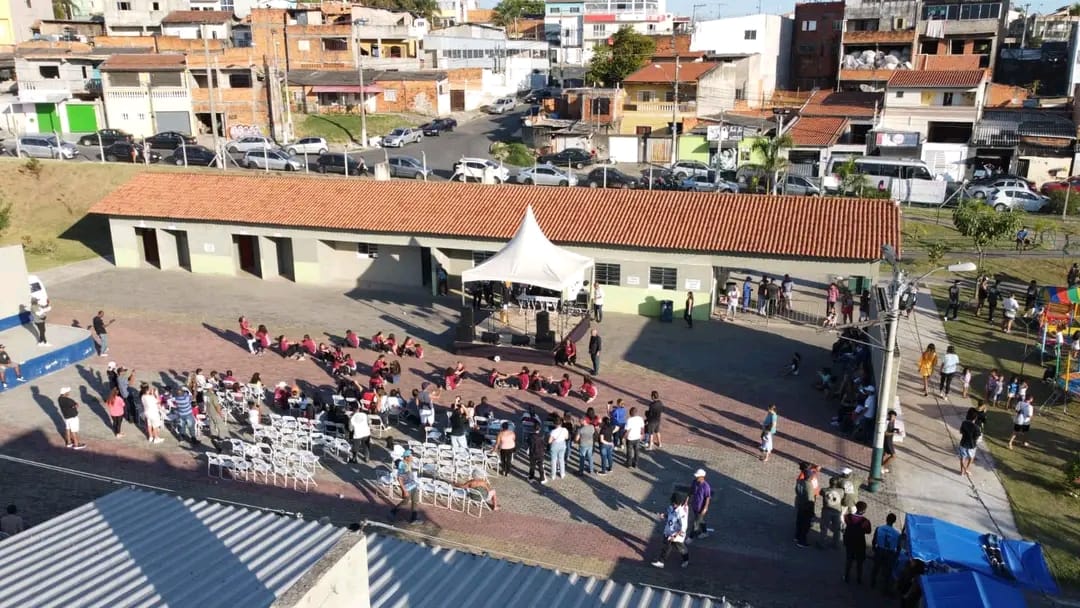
(55, 89)
(661, 107)
(389, 32)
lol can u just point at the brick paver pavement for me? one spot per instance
(716, 380)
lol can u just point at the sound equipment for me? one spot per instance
(490, 337)
(467, 317)
(466, 329)
(543, 322)
(517, 340)
(545, 340)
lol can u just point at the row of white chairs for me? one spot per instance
(435, 492)
(278, 467)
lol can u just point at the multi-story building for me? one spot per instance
(388, 39)
(878, 38)
(195, 25)
(955, 35)
(454, 12)
(484, 64)
(59, 87)
(17, 18)
(815, 48)
(139, 17)
(602, 18)
(563, 29)
(147, 93)
(768, 37)
(237, 82)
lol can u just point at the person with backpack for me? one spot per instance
(831, 503)
(851, 492)
(857, 527)
(886, 543)
(676, 521)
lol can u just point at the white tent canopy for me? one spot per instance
(532, 259)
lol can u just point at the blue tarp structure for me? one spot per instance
(970, 590)
(949, 547)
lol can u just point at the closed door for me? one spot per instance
(173, 121)
(82, 118)
(457, 100)
(48, 118)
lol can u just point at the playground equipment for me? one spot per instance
(1058, 341)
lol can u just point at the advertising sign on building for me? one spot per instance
(896, 140)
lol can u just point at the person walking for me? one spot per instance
(537, 445)
(215, 415)
(675, 524)
(804, 504)
(652, 421)
(585, 437)
(969, 438)
(594, 351)
(598, 302)
(606, 440)
(700, 499)
(69, 410)
(557, 440)
(928, 362)
(950, 364)
(1009, 308)
(410, 487)
(891, 431)
(114, 403)
(768, 431)
(506, 444)
(185, 416)
(886, 544)
(1025, 411)
(360, 427)
(688, 312)
(857, 527)
(832, 502)
(635, 427)
(953, 309)
(102, 333)
(39, 312)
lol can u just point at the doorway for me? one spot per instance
(457, 100)
(183, 254)
(148, 246)
(284, 257)
(246, 253)
(425, 266)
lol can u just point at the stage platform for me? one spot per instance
(69, 345)
(520, 324)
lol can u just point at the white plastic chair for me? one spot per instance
(376, 425)
(213, 460)
(261, 467)
(386, 481)
(280, 468)
(304, 476)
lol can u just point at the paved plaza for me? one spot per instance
(716, 380)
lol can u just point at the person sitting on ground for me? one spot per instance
(351, 339)
(262, 340)
(309, 345)
(536, 381)
(324, 353)
(523, 379)
(459, 371)
(566, 353)
(393, 374)
(497, 379)
(378, 342)
(450, 379)
(481, 485)
(418, 351)
(378, 368)
(564, 386)
(588, 389)
(288, 349)
(407, 348)
(349, 364)
(390, 344)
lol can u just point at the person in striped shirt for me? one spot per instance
(186, 417)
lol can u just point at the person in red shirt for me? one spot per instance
(418, 351)
(497, 380)
(352, 339)
(408, 347)
(349, 364)
(588, 389)
(262, 339)
(247, 334)
(309, 345)
(459, 371)
(565, 385)
(378, 366)
(523, 379)
(390, 344)
(378, 341)
(566, 353)
(450, 379)
(377, 381)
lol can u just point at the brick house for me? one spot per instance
(339, 92)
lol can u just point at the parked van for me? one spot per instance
(879, 171)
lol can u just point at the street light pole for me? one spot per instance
(360, 71)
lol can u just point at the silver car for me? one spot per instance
(276, 160)
(407, 167)
(1015, 199)
(545, 175)
(308, 145)
(502, 105)
(401, 136)
(46, 146)
(246, 144)
(799, 186)
(689, 168)
(986, 188)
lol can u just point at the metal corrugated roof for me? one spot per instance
(403, 574)
(137, 548)
(1003, 128)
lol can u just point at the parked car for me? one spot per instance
(340, 163)
(538, 95)
(611, 178)
(474, 168)
(105, 137)
(276, 160)
(46, 146)
(438, 126)
(170, 140)
(698, 183)
(985, 188)
(546, 175)
(1059, 186)
(502, 105)
(128, 152)
(308, 145)
(195, 156)
(247, 144)
(571, 157)
(408, 167)
(799, 185)
(1016, 199)
(401, 136)
(689, 168)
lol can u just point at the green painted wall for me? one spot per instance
(48, 118)
(82, 118)
(694, 147)
(646, 302)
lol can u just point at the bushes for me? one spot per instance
(516, 154)
(1057, 203)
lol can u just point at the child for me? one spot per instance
(254, 416)
(994, 386)
(793, 367)
(1021, 393)
(830, 320)
(966, 378)
(1010, 394)
(766, 445)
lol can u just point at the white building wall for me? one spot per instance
(192, 31)
(766, 35)
(132, 108)
(914, 109)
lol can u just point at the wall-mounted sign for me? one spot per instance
(896, 140)
(633, 280)
(208, 248)
(723, 132)
(693, 285)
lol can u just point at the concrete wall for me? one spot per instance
(338, 580)
(16, 291)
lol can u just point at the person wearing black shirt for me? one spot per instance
(594, 351)
(459, 428)
(69, 409)
(103, 335)
(652, 421)
(1031, 295)
(969, 437)
(954, 302)
(864, 305)
(992, 296)
(5, 363)
(537, 448)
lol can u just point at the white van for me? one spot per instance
(879, 171)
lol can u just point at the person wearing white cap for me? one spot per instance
(39, 310)
(700, 499)
(69, 409)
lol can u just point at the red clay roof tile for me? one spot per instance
(664, 72)
(785, 226)
(815, 131)
(932, 79)
(848, 104)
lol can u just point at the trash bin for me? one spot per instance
(667, 311)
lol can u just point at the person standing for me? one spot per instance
(506, 444)
(886, 543)
(992, 297)
(763, 296)
(114, 403)
(857, 527)
(787, 290)
(732, 301)
(969, 438)
(1073, 276)
(635, 426)
(950, 364)
(557, 440)
(39, 311)
(410, 487)
(459, 427)
(11, 524)
(618, 421)
(700, 499)
(890, 432)
(1025, 411)
(1009, 308)
(675, 524)
(1031, 295)
(652, 421)
(768, 431)
(864, 306)
(832, 294)
(185, 417)
(361, 435)
(585, 438)
(804, 504)
(688, 313)
(594, 351)
(747, 293)
(772, 295)
(5, 363)
(928, 361)
(102, 333)
(69, 410)
(537, 449)
(598, 302)
(215, 415)
(953, 309)
(151, 407)
(832, 502)
(606, 438)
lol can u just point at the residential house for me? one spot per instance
(17, 19)
(812, 141)
(242, 101)
(59, 87)
(389, 39)
(196, 25)
(932, 113)
(955, 35)
(1036, 143)
(767, 38)
(602, 18)
(1056, 26)
(147, 93)
(878, 38)
(139, 17)
(859, 108)
(599, 108)
(484, 64)
(455, 12)
(425, 92)
(815, 44)
(68, 30)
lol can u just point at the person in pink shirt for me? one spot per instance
(565, 385)
(115, 406)
(247, 334)
(262, 339)
(309, 345)
(352, 339)
(588, 389)
(831, 296)
(523, 379)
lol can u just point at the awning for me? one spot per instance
(347, 88)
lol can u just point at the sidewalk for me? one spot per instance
(925, 473)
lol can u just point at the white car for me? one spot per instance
(308, 145)
(502, 105)
(689, 168)
(1014, 199)
(276, 160)
(247, 144)
(546, 175)
(475, 168)
(401, 136)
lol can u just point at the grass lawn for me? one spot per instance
(346, 127)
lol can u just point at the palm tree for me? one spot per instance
(769, 152)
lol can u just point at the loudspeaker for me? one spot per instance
(543, 322)
(517, 340)
(545, 340)
(467, 317)
(490, 337)
(466, 329)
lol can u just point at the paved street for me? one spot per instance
(715, 379)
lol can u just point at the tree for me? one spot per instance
(418, 8)
(508, 12)
(5, 216)
(627, 52)
(768, 152)
(983, 225)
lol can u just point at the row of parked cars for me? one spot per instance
(1006, 192)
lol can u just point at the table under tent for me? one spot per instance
(1059, 342)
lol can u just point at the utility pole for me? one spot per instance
(675, 104)
(213, 107)
(1023, 32)
(285, 94)
(360, 72)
